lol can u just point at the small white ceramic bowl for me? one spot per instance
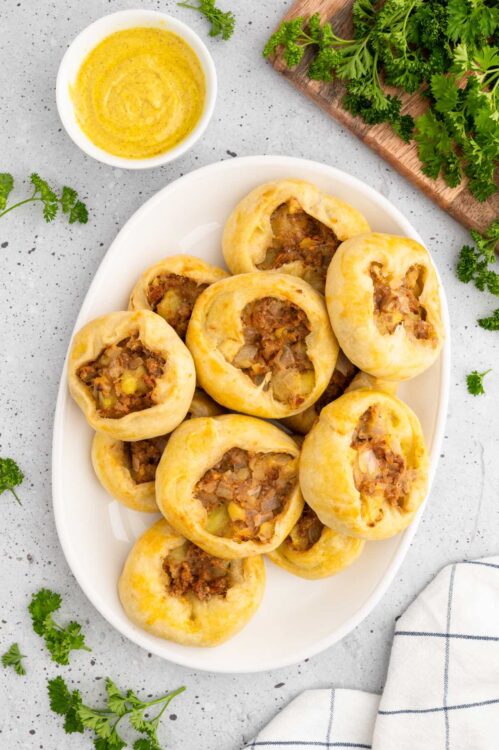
(87, 40)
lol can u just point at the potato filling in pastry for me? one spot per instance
(401, 305)
(191, 570)
(245, 492)
(123, 377)
(275, 351)
(306, 532)
(297, 236)
(144, 456)
(380, 468)
(173, 297)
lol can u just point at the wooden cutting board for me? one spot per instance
(403, 156)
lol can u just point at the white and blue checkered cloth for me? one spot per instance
(442, 687)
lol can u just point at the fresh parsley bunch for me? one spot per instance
(460, 132)
(444, 49)
(104, 722)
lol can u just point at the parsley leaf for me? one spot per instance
(117, 702)
(13, 658)
(491, 323)
(45, 193)
(145, 744)
(222, 23)
(104, 722)
(66, 703)
(58, 640)
(471, 21)
(474, 382)
(10, 476)
(6, 187)
(75, 209)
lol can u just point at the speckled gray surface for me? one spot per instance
(45, 273)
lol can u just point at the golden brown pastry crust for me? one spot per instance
(328, 462)
(332, 553)
(180, 265)
(143, 590)
(399, 355)
(215, 336)
(173, 389)
(112, 467)
(363, 380)
(248, 231)
(194, 448)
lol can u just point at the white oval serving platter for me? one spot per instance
(297, 618)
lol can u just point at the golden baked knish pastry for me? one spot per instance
(131, 375)
(289, 226)
(127, 469)
(171, 287)
(174, 590)
(383, 299)
(230, 484)
(312, 550)
(364, 465)
(262, 344)
(344, 373)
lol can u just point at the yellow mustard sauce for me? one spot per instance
(139, 93)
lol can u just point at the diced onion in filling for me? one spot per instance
(299, 237)
(381, 473)
(394, 306)
(123, 377)
(274, 354)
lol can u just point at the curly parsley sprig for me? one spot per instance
(474, 381)
(475, 261)
(11, 477)
(68, 202)
(104, 722)
(60, 641)
(222, 22)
